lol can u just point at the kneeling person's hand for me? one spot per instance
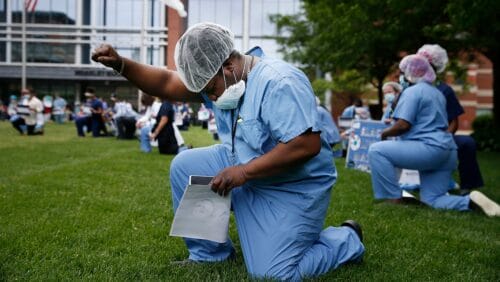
(228, 179)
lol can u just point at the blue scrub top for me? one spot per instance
(453, 107)
(424, 107)
(96, 104)
(348, 112)
(278, 105)
(387, 112)
(329, 130)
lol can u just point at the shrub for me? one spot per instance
(485, 133)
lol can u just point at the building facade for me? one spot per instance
(61, 34)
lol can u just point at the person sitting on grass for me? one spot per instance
(31, 120)
(124, 118)
(425, 145)
(272, 160)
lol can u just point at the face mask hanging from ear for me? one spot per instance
(403, 82)
(230, 98)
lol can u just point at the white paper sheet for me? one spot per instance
(409, 177)
(202, 214)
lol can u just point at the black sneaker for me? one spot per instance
(354, 226)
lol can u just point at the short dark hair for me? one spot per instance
(357, 102)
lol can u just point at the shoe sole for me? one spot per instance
(489, 207)
(354, 226)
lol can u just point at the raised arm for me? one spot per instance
(155, 81)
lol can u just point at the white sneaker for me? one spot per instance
(489, 207)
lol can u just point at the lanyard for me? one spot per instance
(234, 121)
(235, 118)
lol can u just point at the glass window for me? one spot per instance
(3, 18)
(45, 52)
(56, 12)
(3, 5)
(230, 14)
(120, 13)
(128, 14)
(46, 12)
(224, 12)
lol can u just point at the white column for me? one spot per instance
(23, 61)
(93, 22)
(77, 96)
(246, 24)
(143, 50)
(8, 44)
(79, 21)
(161, 49)
(328, 93)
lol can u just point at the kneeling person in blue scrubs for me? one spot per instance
(425, 145)
(272, 159)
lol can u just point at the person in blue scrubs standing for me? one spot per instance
(329, 130)
(425, 145)
(468, 167)
(272, 159)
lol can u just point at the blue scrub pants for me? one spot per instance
(434, 164)
(280, 237)
(97, 126)
(468, 168)
(82, 122)
(144, 139)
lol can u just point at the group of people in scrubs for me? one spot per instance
(272, 160)
(426, 144)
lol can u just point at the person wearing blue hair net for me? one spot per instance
(468, 167)
(425, 145)
(272, 159)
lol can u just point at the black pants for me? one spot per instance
(167, 145)
(19, 123)
(468, 168)
(125, 127)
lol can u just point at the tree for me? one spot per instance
(472, 25)
(369, 36)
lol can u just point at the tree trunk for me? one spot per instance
(377, 110)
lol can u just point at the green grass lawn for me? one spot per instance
(98, 209)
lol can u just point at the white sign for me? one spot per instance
(202, 214)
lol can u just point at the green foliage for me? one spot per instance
(349, 81)
(320, 86)
(473, 25)
(368, 36)
(372, 36)
(97, 209)
(459, 71)
(486, 136)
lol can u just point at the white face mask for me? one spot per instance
(231, 97)
(389, 97)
